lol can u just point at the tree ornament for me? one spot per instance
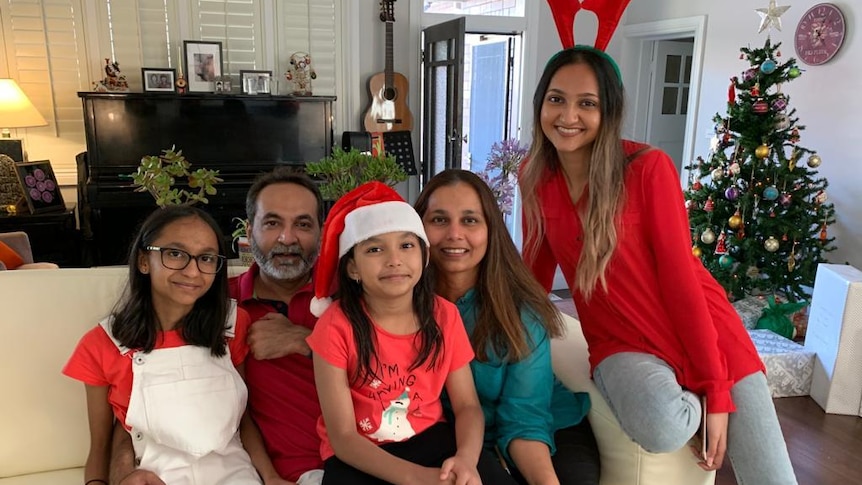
(696, 251)
(791, 260)
(794, 72)
(814, 161)
(784, 237)
(771, 244)
(752, 272)
(760, 107)
(718, 174)
(755, 90)
(779, 103)
(749, 74)
(794, 135)
(770, 193)
(742, 184)
(708, 236)
(709, 205)
(782, 122)
(734, 168)
(762, 151)
(725, 261)
(731, 96)
(689, 204)
(823, 234)
(696, 185)
(820, 197)
(785, 199)
(735, 220)
(771, 16)
(768, 66)
(721, 247)
(731, 193)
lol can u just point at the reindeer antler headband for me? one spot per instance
(608, 12)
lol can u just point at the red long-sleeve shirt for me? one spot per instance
(660, 298)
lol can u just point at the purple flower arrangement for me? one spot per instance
(501, 172)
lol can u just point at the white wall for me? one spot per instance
(826, 97)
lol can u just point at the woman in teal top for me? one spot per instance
(535, 423)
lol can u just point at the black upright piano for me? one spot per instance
(241, 136)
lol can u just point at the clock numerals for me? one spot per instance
(819, 34)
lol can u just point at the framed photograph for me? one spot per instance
(158, 80)
(203, 65)
(256, 82)
(40, 187)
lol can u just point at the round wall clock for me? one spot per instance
(819, 34)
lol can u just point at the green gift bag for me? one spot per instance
(775, 316)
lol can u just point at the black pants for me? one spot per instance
(576, 461)
(429, 448)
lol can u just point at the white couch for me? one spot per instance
(43, 415)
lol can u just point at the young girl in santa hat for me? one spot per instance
(384, 352)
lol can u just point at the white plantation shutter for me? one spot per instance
(45, 53)
(308, 26)
(55, 48)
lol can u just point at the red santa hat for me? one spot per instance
(369, 210)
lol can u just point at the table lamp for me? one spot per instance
(16, 111)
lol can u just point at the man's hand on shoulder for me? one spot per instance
(141, 477)
(275, 336)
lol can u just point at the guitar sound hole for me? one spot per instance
(389, 94)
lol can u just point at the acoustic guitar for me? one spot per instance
(387, 90)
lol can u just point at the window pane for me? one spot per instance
(684, 108)
(687, 70)
(440, 51)
(668, 101)
(671, 69)
(500, 8)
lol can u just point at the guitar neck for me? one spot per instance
(389, 63)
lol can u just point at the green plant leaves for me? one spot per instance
(157, 175)
(343, 171)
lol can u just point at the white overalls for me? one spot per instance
(184, 414)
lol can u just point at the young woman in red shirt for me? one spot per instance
(660, 329)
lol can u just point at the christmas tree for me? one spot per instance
(758, 211)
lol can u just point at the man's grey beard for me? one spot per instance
(284, 271)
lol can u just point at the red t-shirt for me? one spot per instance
(282, 396)
(660, 298)
(401, 402)
(98, 362)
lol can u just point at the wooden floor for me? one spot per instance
(825, 449)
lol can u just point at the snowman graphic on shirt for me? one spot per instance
(394, 425)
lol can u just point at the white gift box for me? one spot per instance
(788, 365)
(835, 336)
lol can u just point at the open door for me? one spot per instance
(668, 108)
(442, 105)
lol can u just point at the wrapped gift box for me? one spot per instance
(750, 309)
(788, 365)
(835, 336)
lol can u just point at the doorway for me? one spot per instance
(645, 47)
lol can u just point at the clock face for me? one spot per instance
(819, 34)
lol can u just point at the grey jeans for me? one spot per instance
(661, 416)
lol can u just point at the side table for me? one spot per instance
(53, 236)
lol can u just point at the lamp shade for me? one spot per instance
(16, 110)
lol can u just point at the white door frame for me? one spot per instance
(638, 40)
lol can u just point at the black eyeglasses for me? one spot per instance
(173, 258)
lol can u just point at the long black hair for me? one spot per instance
(135, 323)
(429, 337)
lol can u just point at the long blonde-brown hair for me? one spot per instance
(608, 162)
(504, 286)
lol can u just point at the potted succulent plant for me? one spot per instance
(343, 171)
(158, 174)
(240, 241)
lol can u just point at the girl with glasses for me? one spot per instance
(167, 362)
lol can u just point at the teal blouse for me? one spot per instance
(522, 399)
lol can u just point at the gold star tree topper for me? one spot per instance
(771, 16)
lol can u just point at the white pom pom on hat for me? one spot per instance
(369, 210)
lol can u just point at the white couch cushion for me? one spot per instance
(71, 476)
(624, 462)
(42, 412)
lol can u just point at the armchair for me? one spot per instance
(19, 242)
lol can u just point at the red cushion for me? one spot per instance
(9, 257)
